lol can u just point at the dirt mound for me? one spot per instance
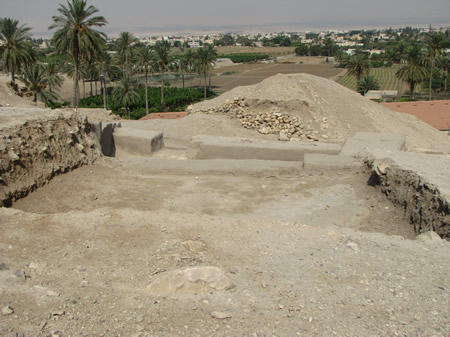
(321, 108)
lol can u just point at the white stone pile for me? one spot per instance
(287, 128)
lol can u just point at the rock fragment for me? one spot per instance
(220, 315)
(429, 236)
(7, 310)
(191, 280)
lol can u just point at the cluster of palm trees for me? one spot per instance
(84, 51)
(418, 62)
(138, 60)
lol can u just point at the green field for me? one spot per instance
(385, 76)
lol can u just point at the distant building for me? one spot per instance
(194, 43)
(381, 94)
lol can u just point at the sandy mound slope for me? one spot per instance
(310, 107)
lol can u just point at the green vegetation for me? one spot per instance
(385, 76)
(367, 83)
(358, 65)
(326, 47)
(38, 82)
(125, 93)
(414, 71)
(15, 49)
(176, 99)
(244, 57)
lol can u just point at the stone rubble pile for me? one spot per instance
(287, 128)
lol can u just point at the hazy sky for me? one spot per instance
(185, 15)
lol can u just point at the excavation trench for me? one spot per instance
(36, 153)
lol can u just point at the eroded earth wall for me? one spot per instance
(424, 203)
(33, 152)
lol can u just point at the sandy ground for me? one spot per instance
(296, 249)
(9, 99)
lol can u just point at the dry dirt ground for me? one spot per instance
(94, 252)
(79, 254)
(242, 75)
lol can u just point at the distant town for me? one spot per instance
(342, 38)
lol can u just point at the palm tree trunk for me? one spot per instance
(126, 64)
(210, 80)
(204, 86)
(76, 88)
(106, 91)
(146, 91)
(96, 87)
(90, 83)
(84, 88)
(431, 78)
(13, 77)
(411, 88)
(398, 91)
(162, 92)
(445, 82)
(105, 105)
(182, 78)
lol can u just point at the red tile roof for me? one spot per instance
(435, 113)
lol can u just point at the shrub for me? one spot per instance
(175, 99)
(244, 57)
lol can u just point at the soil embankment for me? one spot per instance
(33, 150)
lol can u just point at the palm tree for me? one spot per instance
(163, 58)
(38, 83)
(358, 65)
(182, 65)
(146, 59)
(414, 71)
(398, 54)
(435, 44)
(15, 50)
(189, 58)
(444, 64)
(329, 45)
(55, 80)
(367, 83)
(107, 71)
(124, 45)
(202, 59)
(212, 57)
(126, 93)
(76, 36)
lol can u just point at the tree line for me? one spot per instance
(80, 50)
(420, 57)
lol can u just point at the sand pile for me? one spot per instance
(303, 106)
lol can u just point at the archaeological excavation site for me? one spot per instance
(293, 207)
